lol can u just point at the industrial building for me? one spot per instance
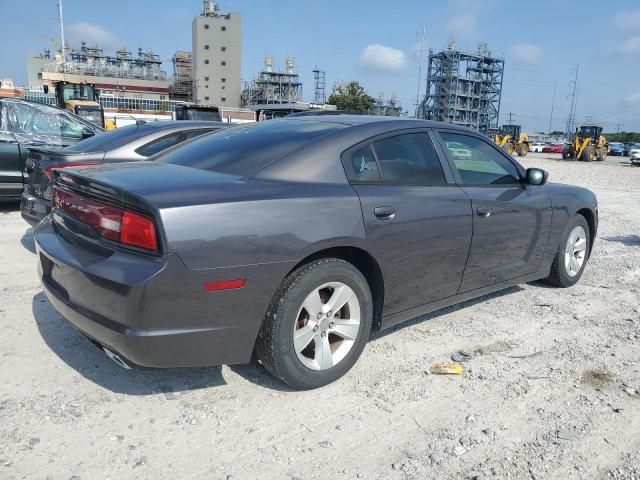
(463, 88)
(217, 44)
(120, 77)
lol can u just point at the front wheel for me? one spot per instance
(573, 253)
(317, 325)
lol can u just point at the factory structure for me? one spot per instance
(463, 88)
(134, 85)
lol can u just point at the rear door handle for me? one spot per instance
(384, 213)
(483, 212)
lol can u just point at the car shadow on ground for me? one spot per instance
(627, 240)
(27, 240)
(444, 311)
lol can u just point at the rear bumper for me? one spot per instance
(33, 209)
(153, 312)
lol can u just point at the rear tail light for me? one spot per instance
(48, 171)
(113, 223)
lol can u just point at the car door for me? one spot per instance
(418, 222)
(511, 220)
(10, 163)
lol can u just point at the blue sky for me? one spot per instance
(374, 42)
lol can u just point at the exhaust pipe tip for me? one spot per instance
(116, 358)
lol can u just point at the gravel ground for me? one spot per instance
(552, 389)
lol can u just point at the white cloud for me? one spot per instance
(92, 34)
(461, 25)
(381, 57)
(630, 45)
(525, 53)
(628, 20)
(633, 99)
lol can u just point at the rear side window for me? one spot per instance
(112, 140)
(360, 165)
(409, 159)
(246, 149)
(161, 144)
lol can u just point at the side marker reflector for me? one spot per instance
(224, 285)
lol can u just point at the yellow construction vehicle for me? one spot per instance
(587, 145)
(81, 99)
(512, 140)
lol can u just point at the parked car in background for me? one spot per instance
(293, 238)
(125, 144)
(553, 148)
(634, 156)
(617, 149)
(630, 146)
(536, 147)
(25, 124)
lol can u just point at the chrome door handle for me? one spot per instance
(385, 213)
(483, 212)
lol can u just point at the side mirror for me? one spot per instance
(536, 176)
(87, 132)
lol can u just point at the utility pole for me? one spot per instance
(510, 115)
(553, 101)
(573, 84)
(61, 21)
(588, 118)
(618, 125)
(421, 37)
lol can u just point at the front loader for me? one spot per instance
(512, 140)
(587, 145)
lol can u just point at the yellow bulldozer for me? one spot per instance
(587, 145)
(510, 138)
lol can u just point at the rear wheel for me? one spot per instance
(589, 154)
(567, 154)
(601, 153)
(573, 253)
(523, 149)
(317, 324)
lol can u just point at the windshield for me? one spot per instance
(78, 92)
(111, 140)
(247, 149)
(588, 132)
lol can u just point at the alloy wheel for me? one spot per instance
(327, 325)
(575, 251)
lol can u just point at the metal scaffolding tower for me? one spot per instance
(271, 87)
(463, 88)
(182, 86)
(320, 86)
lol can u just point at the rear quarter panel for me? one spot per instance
(270, 222)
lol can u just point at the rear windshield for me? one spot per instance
(103, 142)
(247, 149)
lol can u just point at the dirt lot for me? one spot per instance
(552, 390)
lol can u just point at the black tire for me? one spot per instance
(589, 154)
(558, 275)
(523, 149)
(601, 154)
(275, 341)
(567, 155)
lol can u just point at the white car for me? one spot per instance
(536, 147)
(634, 156)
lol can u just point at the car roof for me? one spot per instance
(388, 122)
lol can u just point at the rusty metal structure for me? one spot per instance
(463, 88)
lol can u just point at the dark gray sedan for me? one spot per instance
(294, 238)
(125, 144)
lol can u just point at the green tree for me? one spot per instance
(351, 96)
